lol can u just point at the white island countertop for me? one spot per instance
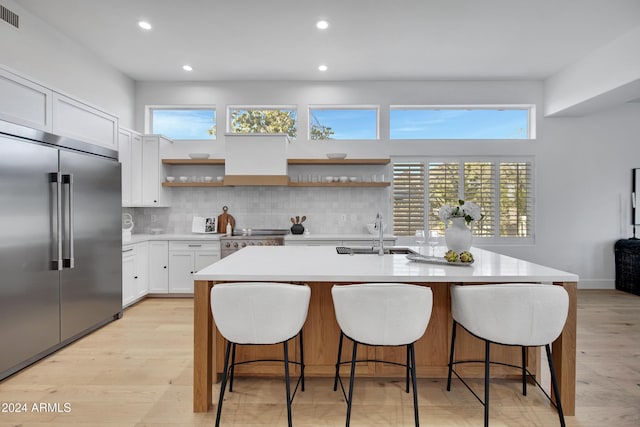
(324, 264)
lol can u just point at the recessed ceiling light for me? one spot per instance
(187, 68)
(144, 25)
(323, 68)
(323, 25)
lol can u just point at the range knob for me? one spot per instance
(227, 244)
(260, 243)
(244, 244)
(252, 243)
(235, 244)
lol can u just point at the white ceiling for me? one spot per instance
(366, 40)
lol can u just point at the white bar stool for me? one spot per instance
(516, 314)
(381, 314)
(259, 313)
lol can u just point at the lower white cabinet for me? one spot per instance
(158, 267)
(135, 282)
(185, 259)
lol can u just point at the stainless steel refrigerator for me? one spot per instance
(60, 243)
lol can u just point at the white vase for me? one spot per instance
(458, 235)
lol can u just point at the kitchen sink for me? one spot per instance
(389, 250)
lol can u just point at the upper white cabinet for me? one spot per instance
(130, 156)
(24, 102)
(153, 193)
(80, 121)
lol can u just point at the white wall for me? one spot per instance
(583, 165)
(39, 52)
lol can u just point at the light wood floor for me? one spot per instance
(137, 371)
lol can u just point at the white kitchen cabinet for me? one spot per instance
(135, 284)
(185, 259)
(158, 267)
(24, 102)
(130, 156)
(153, 171)
(83, 122)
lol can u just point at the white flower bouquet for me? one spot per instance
(467, 210)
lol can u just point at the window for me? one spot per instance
(461, 122)
(502, 189)
(183, 123)
(260, 119)
(344, 122)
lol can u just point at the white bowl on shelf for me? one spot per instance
(371, 228)
(183, 178)
(208, 178)
(199, 155)
(171, 178)
(336, 155)
(328, 178)
(344, 179)
(353, 178)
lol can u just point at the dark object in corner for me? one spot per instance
(627, 255)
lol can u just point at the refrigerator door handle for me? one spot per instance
(68, 180)
(56, 263)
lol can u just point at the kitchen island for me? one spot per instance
(320, 267)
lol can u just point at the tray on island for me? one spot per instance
(436, 260)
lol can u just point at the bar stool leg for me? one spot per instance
(486, 383)
(301, 360)
(335, 379)
(554, 383)
(407, 369)
(224, 383)
(351, 381)
(453, 344)
(286, 379)
(524, 371)
(414, 384)
(233, 366)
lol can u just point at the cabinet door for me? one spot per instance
(142, 270)
(128, 276)
(80, 121)
(124, 156)
(204, 259)
(24, 102)
(136, 169)
(158, 267)
(181, 267)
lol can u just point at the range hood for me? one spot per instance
(256, 159)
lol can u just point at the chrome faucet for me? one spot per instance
(378, 226)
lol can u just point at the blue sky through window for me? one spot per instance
(193, 124)
(347, 123)
(459, 123)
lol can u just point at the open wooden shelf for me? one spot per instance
(338, 161)
(192, 184)
(193, 161)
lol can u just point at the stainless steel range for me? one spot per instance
(251, 237)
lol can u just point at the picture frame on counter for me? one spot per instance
(204, 225)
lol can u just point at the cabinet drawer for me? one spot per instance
(194, 246)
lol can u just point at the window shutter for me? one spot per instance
(444, 181)
(408, 198)
(480, 188)
(516, 199)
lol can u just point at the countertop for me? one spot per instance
(323, 264)
(137, 238)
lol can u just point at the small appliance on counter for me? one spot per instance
(127, 227)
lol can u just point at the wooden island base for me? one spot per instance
(321, 335)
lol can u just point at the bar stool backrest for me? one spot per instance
(259, 313)
(514, 314)
(383, 313)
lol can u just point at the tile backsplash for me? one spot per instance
(328, 210)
